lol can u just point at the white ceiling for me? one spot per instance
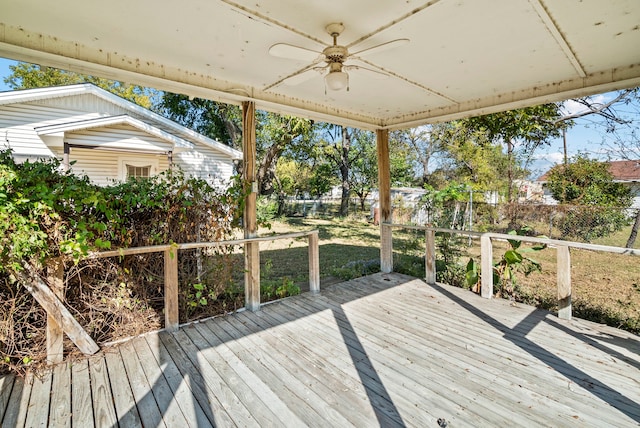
(465, 57)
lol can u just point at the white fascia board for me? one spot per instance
(57, 129)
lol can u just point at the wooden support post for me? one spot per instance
(55, 335)
(314, 263)
(430, 257)
(486, 266)
(384, 191)
(171, 316)
(251, 250)
(564, 282)
(54, 307)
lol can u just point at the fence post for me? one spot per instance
(171, 320)
(486, 266)
(430, 256)
(314, 263)
(564, 282)
(55, 334)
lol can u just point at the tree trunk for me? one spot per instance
(267, 169)
(634, 231)
(344, 172)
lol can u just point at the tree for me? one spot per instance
(219, 121)
(600, 203)
(424, 143)
(26, 76)
(530, 126)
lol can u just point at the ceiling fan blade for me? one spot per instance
(382, 47)
(375, 74)
(284, 50)
(303, 76)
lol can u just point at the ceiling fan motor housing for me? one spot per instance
(335, 53)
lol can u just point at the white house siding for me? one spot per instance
(104, 169)
(205, 163)
(17, 123)
(120, 137)
(18, 120)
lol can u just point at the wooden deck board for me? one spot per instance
(382, 350)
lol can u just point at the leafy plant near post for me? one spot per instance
(46, 213)
(505, 271)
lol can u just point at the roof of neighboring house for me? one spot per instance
(140, 114)
(622, 171)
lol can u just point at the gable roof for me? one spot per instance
(622, 171)
(140, 118)
(178, 143)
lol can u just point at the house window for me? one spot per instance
(136, 171)
(137, 167)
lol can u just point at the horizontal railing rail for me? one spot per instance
(563, 259)
(60, 321)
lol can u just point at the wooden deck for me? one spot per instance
(383, 350)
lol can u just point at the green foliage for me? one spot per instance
(26, 76)
(599, 202)
(513, 261)
(46, 213)
(271, 289)
(587, 182)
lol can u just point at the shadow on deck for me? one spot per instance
(385, 350)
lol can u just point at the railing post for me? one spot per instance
(171, 320)
(55, 334)
(486, 267)
(564, 282)
(386, 248)
(314, 263)
(430, 257)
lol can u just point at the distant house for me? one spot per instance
(108, 138)
(626, 172)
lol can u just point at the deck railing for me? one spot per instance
(60, 321)
(563, 258)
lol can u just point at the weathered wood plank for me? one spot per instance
(148, 410)
(123, 399)
(564, 282)
(430, 256)
(171, 316)
(251, 250)
(55, 334)
(38, 412)
(486, 267)
(314, 263)
(17, 407)
(6, 385)
(104, 413)
(216, 413)
(169, 406)
(263, 390)
(300, 393)
(384, 190)
(81, 405)
(60, 408)
(260, 413)
(54, 307)
(190, 407)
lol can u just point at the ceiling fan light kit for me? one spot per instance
(337, 80)
(335, 55)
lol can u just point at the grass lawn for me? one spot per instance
(606, 287)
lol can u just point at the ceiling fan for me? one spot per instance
(335, 70)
